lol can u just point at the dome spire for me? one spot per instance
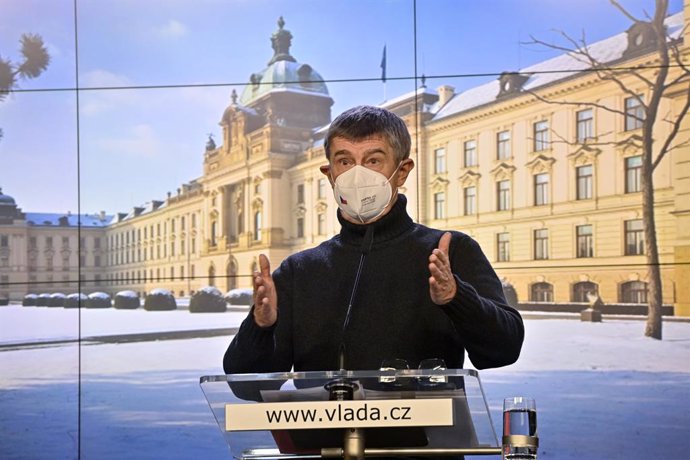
(281, 41)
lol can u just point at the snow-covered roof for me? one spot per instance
(48, 219)
(409, 95)
(551, 70)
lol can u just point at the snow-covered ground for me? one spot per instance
(603, 391)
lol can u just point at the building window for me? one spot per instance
(541, 292)
(96, 261)
(49, 263)
(300, 194)
(182, 247)
(193, 241)
(634, 113)
(172, 249)
(181, 272)
(213, 233)
(541, 244)
(585, 241)
(470, 153)
(65, 242)
(633, 174)
(502, 195)
(503, 247)
(322, 189)
(257, 226)
(470, 200)
(439, 205)
(97, 243)
(4, 241)
(541, 189)
(503, 145)
(541, 136)
(584, 182)
(634, 237)
(633, 292)
(439, 161)
(300, 227)
(585, 126)
(32, 242)
(193, 222)
(581, 289)
(65, 263)
(49, 242)
(322, 224)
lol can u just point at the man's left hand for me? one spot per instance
(442, 287)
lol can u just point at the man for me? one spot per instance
(384, 288)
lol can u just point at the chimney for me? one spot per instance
(102, 215)
(445, 94)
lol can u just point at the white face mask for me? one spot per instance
(363, 194)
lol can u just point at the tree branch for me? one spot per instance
(576, 104)
(624, 11)
(674, 131)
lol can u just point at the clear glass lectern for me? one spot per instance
(351, 414)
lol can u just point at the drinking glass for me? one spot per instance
(392, 364)
(520, 440)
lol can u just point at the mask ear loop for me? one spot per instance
(392, 193)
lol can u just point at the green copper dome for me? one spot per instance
(283, 73)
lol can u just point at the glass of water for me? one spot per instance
(520, 440)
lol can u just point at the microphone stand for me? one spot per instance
(343, 389)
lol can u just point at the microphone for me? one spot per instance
(367, 242)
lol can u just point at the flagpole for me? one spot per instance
(383, 72)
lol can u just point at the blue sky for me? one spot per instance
(137, 142)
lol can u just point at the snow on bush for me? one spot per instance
(207, 300)
(159, 299)
(127, 300)
(99, 300)
(74, 300)
(43, 300)
(239, 296)
(29, 300)
(57, 300)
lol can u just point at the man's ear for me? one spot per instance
(405, 167)
(326, 171)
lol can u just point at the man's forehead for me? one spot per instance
(342, 145)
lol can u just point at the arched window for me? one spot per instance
(581, 289)
(633, 292)
(257, 226)
(541, 292)
(211, 275)
(231, 271)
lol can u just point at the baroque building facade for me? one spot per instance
(552, 192)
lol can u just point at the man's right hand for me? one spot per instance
(265, 296)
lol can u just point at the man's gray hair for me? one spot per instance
(365, 121)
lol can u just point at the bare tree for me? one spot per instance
(35, 60)
(660, 83)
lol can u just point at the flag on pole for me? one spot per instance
(383, 65)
